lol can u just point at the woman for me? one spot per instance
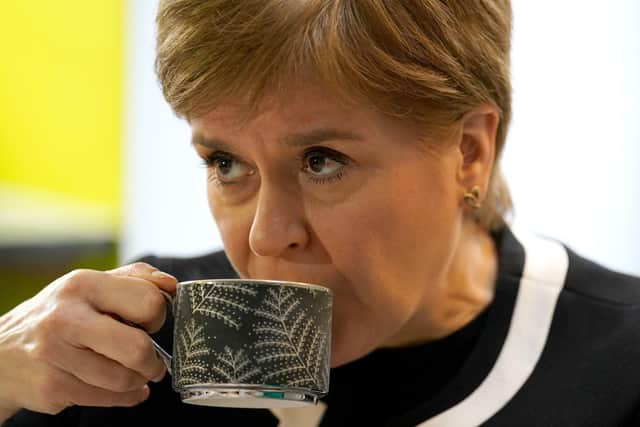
(352, 144)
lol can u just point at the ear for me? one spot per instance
(477, 146)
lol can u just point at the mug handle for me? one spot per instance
(161, 352)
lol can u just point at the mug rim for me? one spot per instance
(260, 281)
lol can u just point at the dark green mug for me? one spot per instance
(250, 343)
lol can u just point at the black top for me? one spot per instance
(396, 381)
(558, 346)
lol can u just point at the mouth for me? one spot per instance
(325, 275)
(303, 279)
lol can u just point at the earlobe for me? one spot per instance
(477, 147)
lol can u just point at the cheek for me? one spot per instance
(234, 225)
(391, 242)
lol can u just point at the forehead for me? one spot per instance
(294, 104)
(296, 110)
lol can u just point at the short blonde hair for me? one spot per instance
(424, 61)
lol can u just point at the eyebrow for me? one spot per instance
(212, 143)
(307, 139)
(317, 136)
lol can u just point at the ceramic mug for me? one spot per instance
(250, 343)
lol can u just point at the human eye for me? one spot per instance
(226, 169)
(323, 165)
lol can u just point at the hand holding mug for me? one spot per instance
(66, 347)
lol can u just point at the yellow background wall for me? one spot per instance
(61, 84)
(61, 67)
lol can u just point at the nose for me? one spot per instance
(279, 224)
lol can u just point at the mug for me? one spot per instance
(250, 343)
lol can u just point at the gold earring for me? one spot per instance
(472, 197)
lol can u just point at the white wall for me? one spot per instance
(572, 158)
(165, 209)
(573, 153)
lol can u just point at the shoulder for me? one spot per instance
(210, 266)
(596, 308)
(600, 305)
(575, 322)
(523, 254)
(589, 280)
(584, 301)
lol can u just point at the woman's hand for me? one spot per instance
(65, 347)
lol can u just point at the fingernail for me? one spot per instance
(162, 275)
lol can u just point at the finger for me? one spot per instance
(95, 369)
(142, 270)
(75, 392)
(126, 345)
(131, 298)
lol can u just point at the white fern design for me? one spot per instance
(290, 341)
(190, 350)
(235, 367)
(225, 301)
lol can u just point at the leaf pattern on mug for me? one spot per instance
(225, 302)
(235, 367)
(191, 350)
(290, 341)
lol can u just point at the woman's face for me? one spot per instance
(312, 191)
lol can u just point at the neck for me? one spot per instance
(465, 290)
(6, 413)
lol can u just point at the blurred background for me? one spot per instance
(95, 170)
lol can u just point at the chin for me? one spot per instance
(346, 348)
(353, 337)
(342, 356)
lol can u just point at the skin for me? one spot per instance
(315, 191)
(306, 190)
